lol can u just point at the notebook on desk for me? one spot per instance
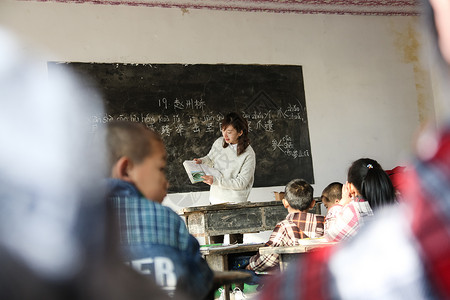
(313, 241)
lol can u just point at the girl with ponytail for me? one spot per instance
(368, 187)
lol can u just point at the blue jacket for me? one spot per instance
(156, 242)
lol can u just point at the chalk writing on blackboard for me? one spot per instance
(286, 146)
(184, 124)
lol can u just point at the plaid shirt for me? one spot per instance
(150, 231)
(404, 253)
(286, 233)
(145, 222)
(349, 220)
(330, 218)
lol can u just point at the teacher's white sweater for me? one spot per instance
(238, 173)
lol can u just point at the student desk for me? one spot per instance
(217, 258)
(290, 253)
(228, 218)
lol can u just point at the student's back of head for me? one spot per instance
(299, 194)
(372, 182)
(332, 194)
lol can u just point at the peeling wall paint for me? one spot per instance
(408, 44)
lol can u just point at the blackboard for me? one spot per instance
(185, 104)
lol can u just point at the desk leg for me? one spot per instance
(219, 263)
(286, 259)
(283, 263)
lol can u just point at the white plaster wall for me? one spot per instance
(366, 90)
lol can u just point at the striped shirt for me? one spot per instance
(296, 226)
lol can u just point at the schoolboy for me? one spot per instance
(154, 239)
(331, 195)
(299, 224)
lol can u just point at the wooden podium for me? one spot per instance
(248, 217)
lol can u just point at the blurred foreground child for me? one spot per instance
(55, 242)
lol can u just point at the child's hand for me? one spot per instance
(197, 160)
(208, 179)
(346, 197)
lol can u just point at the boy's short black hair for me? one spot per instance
(129, 139)
(299, 194)
(332, 192)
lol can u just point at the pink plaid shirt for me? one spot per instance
(349, 220)
(286, 233)
(331, 216)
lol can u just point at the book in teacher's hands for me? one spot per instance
(196, 171)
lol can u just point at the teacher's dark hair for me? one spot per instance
(240, 124)
(372, 182)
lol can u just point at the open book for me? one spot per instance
(196, 171)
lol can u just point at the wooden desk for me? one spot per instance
(248, 217)
(290, 253)
(218, 257)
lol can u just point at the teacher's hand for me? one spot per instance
(197, 160)
(208, 179)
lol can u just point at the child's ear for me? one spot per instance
(313, 203)
(285, 203)
(121, 169)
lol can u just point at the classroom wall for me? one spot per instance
(367, 91)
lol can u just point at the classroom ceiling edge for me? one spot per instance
(337, 7)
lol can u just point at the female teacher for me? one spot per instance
(235, 159)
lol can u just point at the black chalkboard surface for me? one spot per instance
(185, 104)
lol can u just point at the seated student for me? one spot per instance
(154, 238)
(299, 224)
(331, 195)
(368, 187)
